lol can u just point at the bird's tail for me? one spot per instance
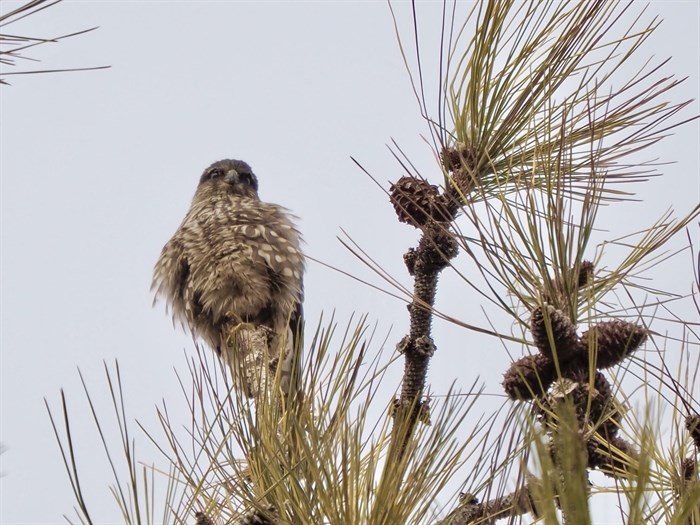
(290, 361)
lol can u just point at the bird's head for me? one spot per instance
(234, 176)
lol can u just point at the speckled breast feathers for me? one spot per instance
(233, 260)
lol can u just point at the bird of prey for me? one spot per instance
(232, 274)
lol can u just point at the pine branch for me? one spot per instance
(435, 248)
(471, 511)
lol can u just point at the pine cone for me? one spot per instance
(692, 424)
(601, 411)
(458, 157)
(462, 183)
(415, 201)
(594, 403)
(585, 273)
(689, 467)
(563, 332)
(598, 394)
(614, 458)
(451, 159)
(461, 162)
(615, 341)
(529, 377)
(606, 412)
(202, 519)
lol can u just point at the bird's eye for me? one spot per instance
(216, 173)
(246, 178)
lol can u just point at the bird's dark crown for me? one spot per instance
(235, 174)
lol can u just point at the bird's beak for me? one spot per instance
(231, 177)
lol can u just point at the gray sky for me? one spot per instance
(98, 168)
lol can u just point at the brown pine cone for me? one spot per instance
(614, 341)
(585, 273)
(461, 161)
(416, 201)
(689, 467)
(458, 157)
(529, 377)
(202, 519)
(594, 403)
(615, 458)
(692, 424)
(566, 343)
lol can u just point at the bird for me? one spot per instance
(233, 275)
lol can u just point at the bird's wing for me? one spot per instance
(170, 277)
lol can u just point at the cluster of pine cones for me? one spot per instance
(570, 359)
(576, 361)
(555, 337)
(418, 202)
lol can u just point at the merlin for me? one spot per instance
(232, 274)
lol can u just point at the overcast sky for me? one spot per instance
(98, 168)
